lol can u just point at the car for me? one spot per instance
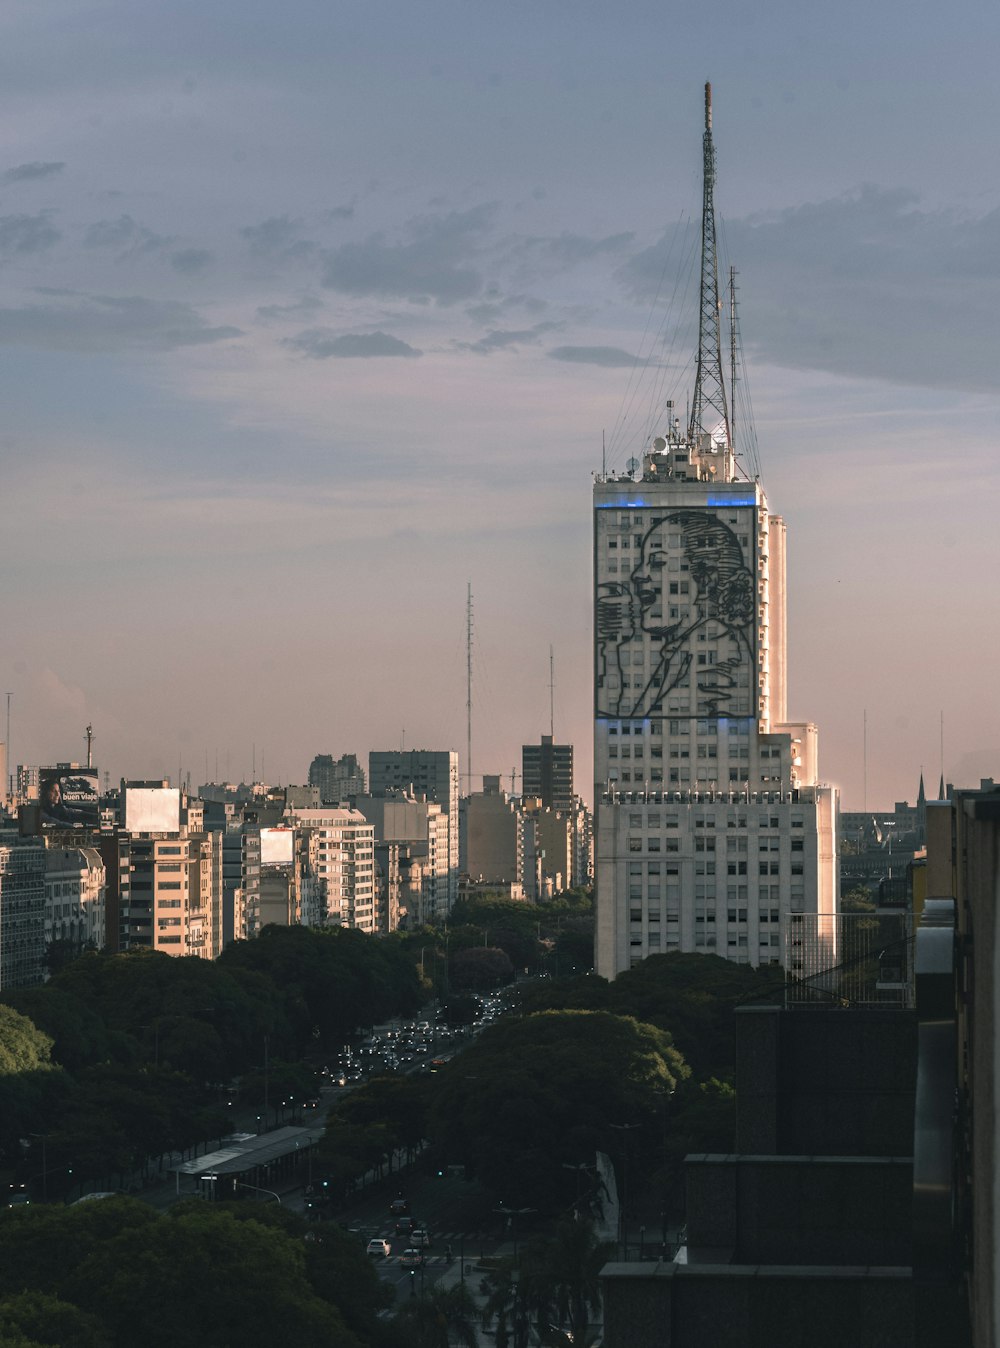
(379, 1246)
(310, 1104)
(404, 1225)
(419, 1239)
(399, 1207)
(411, 1258)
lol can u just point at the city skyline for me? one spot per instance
(310, 320)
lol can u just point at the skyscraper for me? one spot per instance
(432, 774)
(712, 832)
(547, 772)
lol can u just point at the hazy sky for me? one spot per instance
(314, 313)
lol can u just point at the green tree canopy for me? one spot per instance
(539, 1091)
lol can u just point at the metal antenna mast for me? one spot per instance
(90, 746)
(709, 389)
(552, 695)
(468, 698)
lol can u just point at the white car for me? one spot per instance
(379, 1247)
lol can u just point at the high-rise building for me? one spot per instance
(432, 774)
(344, 864)
(712, 831)
(22, 910)
(547, 773)
(338, 779)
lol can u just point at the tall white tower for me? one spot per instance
(712, 832)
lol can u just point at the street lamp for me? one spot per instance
(256, 1188)
(512, 1215)
(624, 1129)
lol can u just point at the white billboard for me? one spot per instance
(152, 809)
(276, 846)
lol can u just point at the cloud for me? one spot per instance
(23, 173)
(610, 357)
(190, 261)
(125, 235)
(869, 284)
(490, 310)
(570, 249)
(307, 305)
(109, 323)
(277, 237)
(433, 265)
(322, 343)
(499, 339)
(27, 233)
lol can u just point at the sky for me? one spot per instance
(314, 315)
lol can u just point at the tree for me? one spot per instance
(481, 967)
(561, 1279)
(243, 1281)
(441, 1317)
(535, 1092)
(36, 1318)
(23, 1046)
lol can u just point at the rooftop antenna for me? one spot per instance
(90, 746)
(604, 465)
(709, 389)
(468, 691)
(941, 792)
(732, 357)
(9, 784)
(552, 695)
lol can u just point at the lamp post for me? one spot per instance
(512, 1215)
(256, 1188)
(624, 1129)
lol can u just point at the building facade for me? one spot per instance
(342, 865)
(432, 774)
(713, 832)
(547, 773)
(22, 910)
(339, 779)
(75, 884)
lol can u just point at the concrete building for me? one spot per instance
(712, 828)
(22, 910)
(165, 873)
(240, 841)
(432, 774)
(547, 773)
(75, 887)
(339, 780)
(494, 840)
(343, 866)
(423, 829)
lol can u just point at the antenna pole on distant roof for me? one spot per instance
(709, 389)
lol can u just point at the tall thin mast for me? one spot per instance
(709, 401)
(468, 694)
(732, 357)
(552, 696)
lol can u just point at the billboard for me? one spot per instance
(152, 809)
(276, 846)
(68, 797)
